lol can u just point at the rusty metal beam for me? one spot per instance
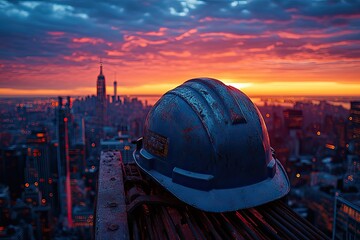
(111, 216)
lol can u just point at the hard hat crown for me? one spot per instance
(206, 138)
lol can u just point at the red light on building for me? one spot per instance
(65, 119)
(36, 152)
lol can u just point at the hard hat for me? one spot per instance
(208, 145)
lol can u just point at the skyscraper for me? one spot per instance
(100, 85)
(63, 118)
(37, 169)
(114, 98)
(101, 97)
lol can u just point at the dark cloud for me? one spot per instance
(77, 32)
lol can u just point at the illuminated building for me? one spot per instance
(122, 144)
(321, 207)
(83, 217)
(77, 147)
(354, 125)
(352, 175)
(347, 217)
(37, 169)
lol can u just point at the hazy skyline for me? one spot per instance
(276, 47)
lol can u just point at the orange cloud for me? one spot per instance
(176, 54)
(132, 42)
(313, 34)
(80, 56)
(88, 40)
(186, 34)
(159, 33)
(325, 45)
(114, 53)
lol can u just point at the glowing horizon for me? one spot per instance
(296, 89)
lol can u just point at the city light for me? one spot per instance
(330, 146)
(298, 175)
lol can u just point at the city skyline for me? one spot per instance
(52, 179)
(263, 48)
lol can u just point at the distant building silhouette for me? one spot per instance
(355, 127)
(101, 97)
(114, 98)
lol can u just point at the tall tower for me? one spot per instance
(100, 86)
(101, 97)
(115, 91)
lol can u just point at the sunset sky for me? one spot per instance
(277, 47)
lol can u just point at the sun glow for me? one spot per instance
(255, 88)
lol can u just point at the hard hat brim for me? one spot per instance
(224, 200)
